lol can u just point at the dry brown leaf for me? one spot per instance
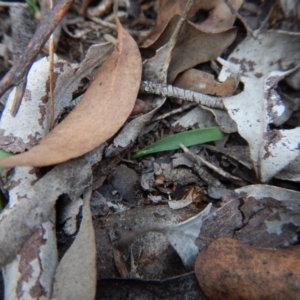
(203, 82)
(102, 111)
(228, 269)
(220, 16)
(154, 69)
(193, 46)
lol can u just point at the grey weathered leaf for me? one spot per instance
(183, 237)
(24, 218)
(76, 275)
(259, 104)
(256, 215)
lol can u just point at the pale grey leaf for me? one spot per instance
(76, 274)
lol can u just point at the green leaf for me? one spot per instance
(187, 138)
(3, 202)
(4, 154)
(32, 6)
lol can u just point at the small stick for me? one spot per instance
(173, 112)
(237, 14)
(106, 24)
(199, 160)
(51, 77)
(166, 90)
(11, 4)
(208, 178)
(20, 69)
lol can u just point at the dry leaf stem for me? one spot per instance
(166, 90)
(51, 76)
(199, 160)
(175, 111)
(20, 69)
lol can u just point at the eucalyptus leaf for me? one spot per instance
(187, 138)
(4, 154)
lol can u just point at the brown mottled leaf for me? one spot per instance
(102, 111)
(228, 269)
(220, 17)
(193, 46)
(203, 82)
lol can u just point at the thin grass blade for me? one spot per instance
(187, 138)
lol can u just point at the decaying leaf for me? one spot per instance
(291, 172)
(154, 69)
(228, 269)
(102, 111)
(193, 46)
(183, 237)
(220, 17)
(203, 82)
(256, 215)
(30, 274)
(37, 204)
(14, 135)
(259, 105)
(195, 118)
(169, 60)
(154, 257)
(76, 275)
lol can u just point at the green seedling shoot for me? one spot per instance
(187, 138)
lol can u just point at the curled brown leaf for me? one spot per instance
(220, 18)
(203, 82)
(102, 111)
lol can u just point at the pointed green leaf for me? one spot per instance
(187, 138)
(4, 154)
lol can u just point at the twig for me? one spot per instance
(100, 10)
(11, 4)
(20, 69)
(106, 24)
(113, 27)
(208, 178)
(173, 112)
(237, 14)
(51, 77)
(201, 169)
(199, 160)
(165, 90)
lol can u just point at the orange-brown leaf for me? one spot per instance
(100, 114)
(228, 269)
(220, 17)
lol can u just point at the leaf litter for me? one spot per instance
(257, 215)
(76, 275)
(111, 95)
(263, 71)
